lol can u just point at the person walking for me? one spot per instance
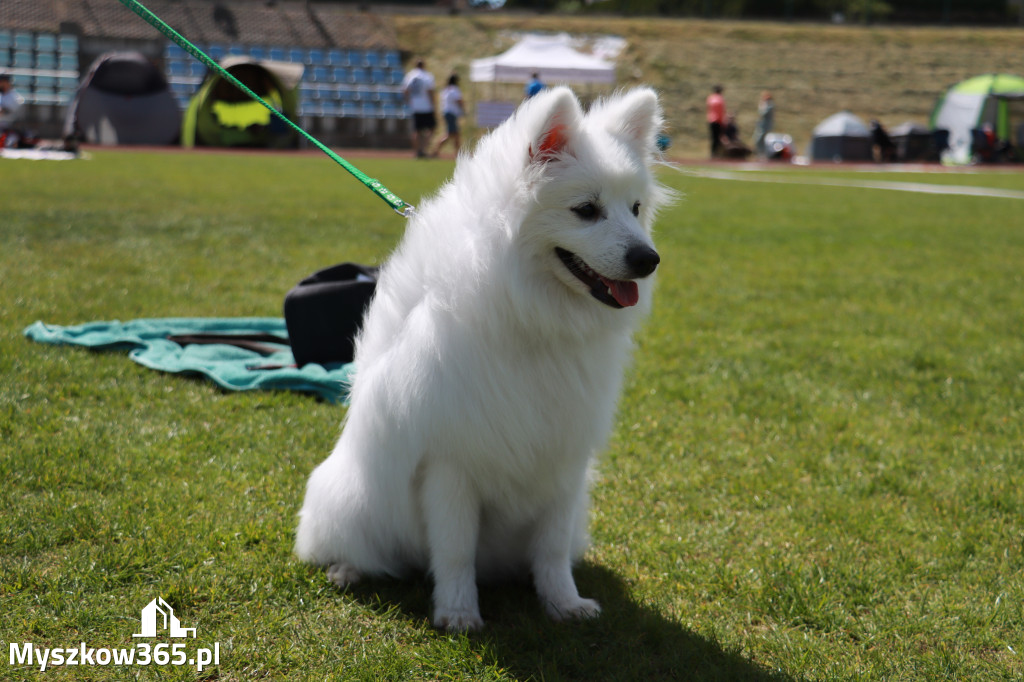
(534, 86)
(716, 119)
(418, 90)
(765, 121)
(453, 107)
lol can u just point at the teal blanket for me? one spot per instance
(228, 366)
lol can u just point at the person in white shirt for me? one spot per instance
(418, 88)
(10, 102)
(452, 107)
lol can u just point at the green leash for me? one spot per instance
(376, 186)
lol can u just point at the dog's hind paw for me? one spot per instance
(458, 621)
(342, 575)
(578, 609)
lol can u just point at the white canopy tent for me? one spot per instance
(551, 56)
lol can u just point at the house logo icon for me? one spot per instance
(158, 614)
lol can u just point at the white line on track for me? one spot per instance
(921, 187)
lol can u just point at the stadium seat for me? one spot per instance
(360, 76)
(277, 54)
(349, 110)
(22, 60)
(5, 59)
(297, 55)
(237, 50)
(69, 43)
(178, 69)
(67, 62)
(372, 58)
(315, 57)
(336, 58)
(23, 41)
(379, 76)
(46, 60)
(216, 52)
(339, 74)
(6, 40)
(320, 74)
(46, 42)
(392, 60)
(257, 52)
(330, 108)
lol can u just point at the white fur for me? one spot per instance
(487, 375)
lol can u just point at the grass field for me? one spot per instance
(815, 473)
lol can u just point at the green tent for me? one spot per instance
(221, 115)
(993, 99)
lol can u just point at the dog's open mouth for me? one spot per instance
(612, 292)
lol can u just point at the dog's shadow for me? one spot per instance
(629, 641)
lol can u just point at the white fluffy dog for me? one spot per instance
(491, 359)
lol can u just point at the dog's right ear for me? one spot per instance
(559, 115)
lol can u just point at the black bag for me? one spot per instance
(324, 311)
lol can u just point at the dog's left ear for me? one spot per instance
(636, 117)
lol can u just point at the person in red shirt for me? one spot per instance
(716, 119)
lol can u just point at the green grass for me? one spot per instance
(814, 475)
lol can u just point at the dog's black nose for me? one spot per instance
(642, 260)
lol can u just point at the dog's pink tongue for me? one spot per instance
(625, 292)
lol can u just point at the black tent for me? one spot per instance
(841, 137)
(123, 99)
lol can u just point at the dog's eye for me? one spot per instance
(587, 211)
(636, 209)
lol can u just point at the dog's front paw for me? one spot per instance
(342, 575)
(578, 609)
(458, 621)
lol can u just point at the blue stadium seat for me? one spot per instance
(178, 69)
(392, 60)
(360, 76)
(315, 57)
(379, 76)
(216, 52)
(5, 58)
(44, 84)
(67, 84)
(331, 107)
(372, 110)
(46, 60)
(6, 40)
(277, 54)
(257, 52)
(349, 110)
(21, 81)
(320, 74)
(22, 60)
(340, 74)
(67, 62)
(171, 51)
(336, 58)
(46, 42)
(69, 43)
(296, 54)
(237, 50)
(23, 41)
(372, 58)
